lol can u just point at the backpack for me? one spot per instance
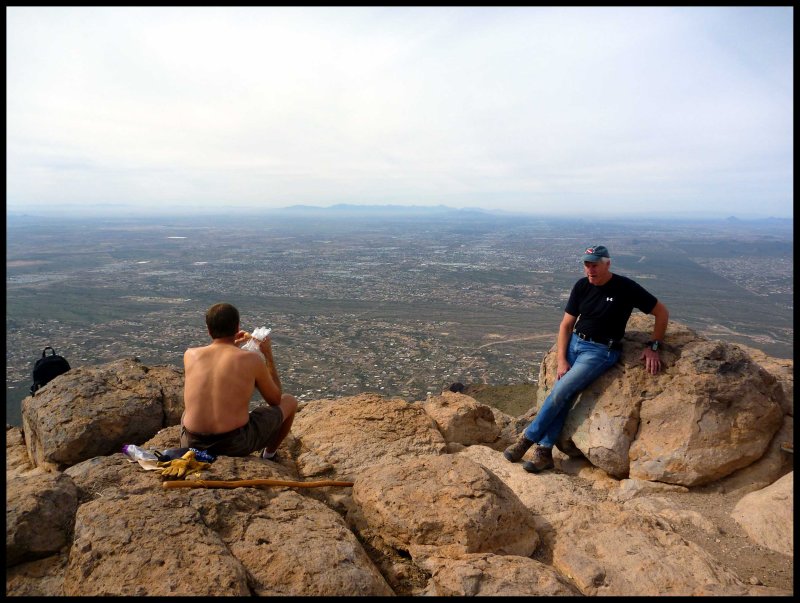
(47, 368)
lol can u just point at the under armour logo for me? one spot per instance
(589, 250)
(610, 299)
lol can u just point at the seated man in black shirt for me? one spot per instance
(589, 343)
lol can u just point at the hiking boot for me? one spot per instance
(516, 451)
(541, 459)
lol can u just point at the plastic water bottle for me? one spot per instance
(258, 335)
(138, 454)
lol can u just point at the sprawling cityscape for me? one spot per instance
(402, 304)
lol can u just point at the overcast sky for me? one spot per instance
(585, 111)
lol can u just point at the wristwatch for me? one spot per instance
(653, 344)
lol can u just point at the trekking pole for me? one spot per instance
(251, 483)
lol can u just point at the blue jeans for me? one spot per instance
(587, 362)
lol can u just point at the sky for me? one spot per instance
(580, 111)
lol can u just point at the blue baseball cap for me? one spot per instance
(595, 253)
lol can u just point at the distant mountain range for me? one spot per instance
(347, 210)
(386, 210)
(343, 210)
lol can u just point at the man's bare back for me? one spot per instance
(219, 382)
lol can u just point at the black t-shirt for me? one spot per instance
(603, 311)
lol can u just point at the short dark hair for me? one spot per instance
(222, 320)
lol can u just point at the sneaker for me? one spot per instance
(516, 451)
(541, 459)
(269, 457)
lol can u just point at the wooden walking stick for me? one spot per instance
(250, 483)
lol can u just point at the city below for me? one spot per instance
(400, 304)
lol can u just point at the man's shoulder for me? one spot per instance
(626, 283)
(623, 280)
(239, 353)
(247, 358)
(207, 351)
(192, 352)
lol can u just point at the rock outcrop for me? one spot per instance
(711, 411)
(435, 509)
(40, 508)
(93, 411)
(767, 515)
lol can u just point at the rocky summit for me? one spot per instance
(434, 508)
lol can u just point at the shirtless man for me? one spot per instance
(219, 382)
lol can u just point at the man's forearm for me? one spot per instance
(660, 330)
(662, 320)
(273, 371)
(564, 334)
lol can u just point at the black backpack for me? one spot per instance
(47, 368)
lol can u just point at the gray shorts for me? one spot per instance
(264, 423)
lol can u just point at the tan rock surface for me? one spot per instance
(547, 494)
(428, 499)
(40, 511)
(768, 515)
(139, 544)
(436, 504)
(607, 550)
(717, 416)
(339, 438)
(461, 419)
(17, 460)
(40, 578)
(92, 411)
(487, 574)
(295, 545)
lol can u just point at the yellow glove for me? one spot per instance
(182, 467)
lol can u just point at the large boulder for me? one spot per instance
(296, 545)
(40, 511)
(141, 545)
(462, 419)
(710, 411)
(171, 382)
(93, 411)
(780, 368)
(776, 462)
(718, 414)
(338, 438)
(17, 459)
(604, 547)
(768, 515)
(609, 550)
(467, 509)
(132, 537)
(549, 494)
(216, 542)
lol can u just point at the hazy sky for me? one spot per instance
(587, 111)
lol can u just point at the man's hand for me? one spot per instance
(563, 367)
(182, 467)
(652, 361)
(241, 337)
